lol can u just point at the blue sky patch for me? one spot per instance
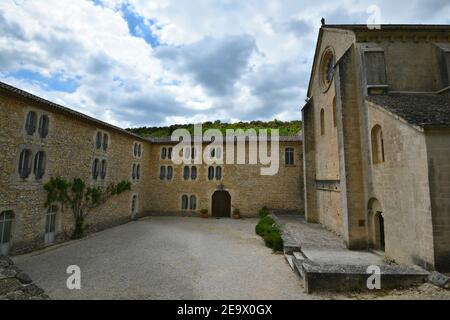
(53, 83)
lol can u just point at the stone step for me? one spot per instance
(348, 278)
(290, 260)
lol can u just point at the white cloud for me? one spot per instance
(221, 59)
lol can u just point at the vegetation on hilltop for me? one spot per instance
(287, 128)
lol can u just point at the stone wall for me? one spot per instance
(249, 190)
(325, 206)
(400, 184)
(438, 149)
(70, 152)
(17, 285)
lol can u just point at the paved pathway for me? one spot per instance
(323, 246)
(168, 258)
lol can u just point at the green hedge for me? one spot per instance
(270, 233)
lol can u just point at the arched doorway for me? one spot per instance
(376, 225)
(221, 204)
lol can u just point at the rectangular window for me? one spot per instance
(375, 68)
(289, 156)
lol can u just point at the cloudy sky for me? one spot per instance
(158, 62)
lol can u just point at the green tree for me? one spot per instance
(79, 198)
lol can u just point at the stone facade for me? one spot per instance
(70, 151)
(375, 172)
(249, 190)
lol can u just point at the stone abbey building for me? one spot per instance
(377, 140)
(372, 165)
(40, 140)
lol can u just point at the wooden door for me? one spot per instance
(221, 204)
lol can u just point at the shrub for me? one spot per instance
(264, 226)
(270, 233)
(264, 212)
(273, 240)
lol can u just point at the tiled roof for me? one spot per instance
(424, 110)
(60, 109)
(168, 139)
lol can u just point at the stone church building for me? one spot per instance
(377, 140)
(40, 140)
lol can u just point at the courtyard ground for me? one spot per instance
(168, 258)
(180, 258)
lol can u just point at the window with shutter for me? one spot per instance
(95, 169)
(98, 141)
(169, 173)
(193, 173)
(193, 203)
(104, 168)
(133, 172)
(184, 202)
(105, 142)
(211, 173)
(218, 173)
(25, 163)
(30, 124)
(162, 173)
(186, 173)
(39, 165)
(43, 126)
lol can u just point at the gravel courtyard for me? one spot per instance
(168, 258)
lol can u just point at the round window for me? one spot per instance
(327, 69)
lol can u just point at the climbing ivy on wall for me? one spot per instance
(80, 198)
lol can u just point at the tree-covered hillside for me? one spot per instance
(289, 128)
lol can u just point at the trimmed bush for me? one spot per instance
(270, 233)
(264, 226)
(264, 212)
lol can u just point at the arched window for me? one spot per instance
(184, 202)
(138, 172)
(43, 126)
(98, 140)
(186, 173)
(6, 219)
(162, 173)
(39, 165)
(194, 153)
(211, 173)
(133, 206)
(30, 124)
(193, 203)
(377, 145)
(193, 173)
(104, 168)
(164, 153)
(135, 149)
(105, 142)
(25, 163)
(139, 150)
(50, 224)
(218, 173)
(289, 156)
(213, 153)
(187, 153)
(334, 113)
(133, 172)
(169, 173)
(322, 122)
(95, 169)
(169, 153)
